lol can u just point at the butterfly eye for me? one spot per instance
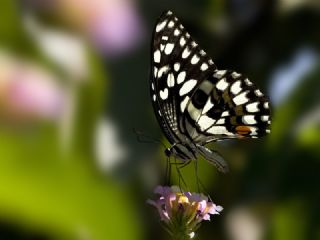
(167, 152)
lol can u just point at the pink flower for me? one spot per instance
(185, 208)
(116, 28)
(28, 91)
(113, 26)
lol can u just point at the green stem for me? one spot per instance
(180, 233)
(180, 236)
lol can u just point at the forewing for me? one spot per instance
(178, 67)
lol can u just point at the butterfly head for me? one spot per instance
(168, 152)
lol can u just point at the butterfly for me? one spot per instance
(194, 102)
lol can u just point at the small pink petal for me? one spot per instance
(206, 217)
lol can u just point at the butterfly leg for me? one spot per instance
(196, 173)
(168, 172)
(214, 158)
(183, 164)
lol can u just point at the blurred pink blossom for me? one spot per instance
(28, 91)
(116, 28)
(113, 26)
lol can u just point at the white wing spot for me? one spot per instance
(164, 94)
(235, 75)
(176, 66)
(159, 113)
(249, 119)
(169, 13)
(221, 121)
(241, 98)
(161, 47)
(266, 105)
(252, 107)
(222, 84)
(165, 38)
(220, 73)
(155, 71)
(162, 70)
(187, 35)
(171, 24)
(170, 80)
(265, 118)
(161, 25)
(187, 86)
(248, 82)
(195, 59)
(253, 131)
(152, 86)
(169, 48)
(186, 52)
(268, 131)
(181, 77)
(210, 61)
(205, 122)
(184, 103)
(202, 53)
(225, 114)
(258, 93)
(204, 66)
(182, 41)
(218, 130)
(154, 97)
(194, 44)
(207, 106)
(157, 56)
(176, 32)
(236, 87)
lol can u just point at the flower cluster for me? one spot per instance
(183, 212)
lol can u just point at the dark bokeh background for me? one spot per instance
(74, 83)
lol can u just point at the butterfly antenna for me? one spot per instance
(143, 138)
(196, 173)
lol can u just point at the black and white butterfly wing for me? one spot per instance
(194, 101)
(226, 105)
(178, 66)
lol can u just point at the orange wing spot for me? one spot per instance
(243, 130)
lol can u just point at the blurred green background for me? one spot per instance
(74, 83)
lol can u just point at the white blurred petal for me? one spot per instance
(291, 5)
(109, 151)
(287, 77)
(243, 225)
(64, 49)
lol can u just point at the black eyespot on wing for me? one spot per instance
(199, 98)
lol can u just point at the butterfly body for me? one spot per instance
(195, 102)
